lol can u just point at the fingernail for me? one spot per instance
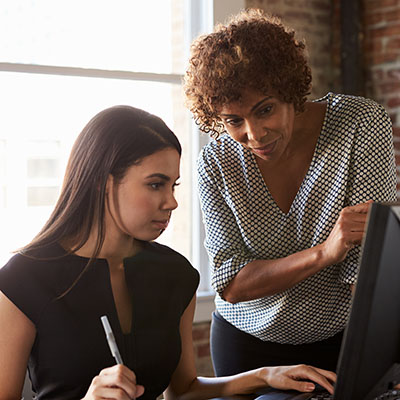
(310, 387)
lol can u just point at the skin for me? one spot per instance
(138, 208)
(283, 143)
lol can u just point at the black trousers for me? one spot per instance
(234, 351)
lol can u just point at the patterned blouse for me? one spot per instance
(353, 162)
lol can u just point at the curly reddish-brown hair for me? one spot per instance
(253, 50)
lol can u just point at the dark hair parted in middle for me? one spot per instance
(253, 51)
(112, 141)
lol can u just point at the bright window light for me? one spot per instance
(95, 54)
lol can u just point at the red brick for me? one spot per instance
(200, 332)
(384, 31)
(377, 75)
(381, 58)
(373, 5)
(320, 5)
(323, 19)
(303, 16)
(373, 19)
(394, 74)
(203, 350)
(393, 43)
(392, 15)
(396, 134)
(389, 87)
(373, 46)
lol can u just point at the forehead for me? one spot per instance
(165, 161)
(248, 99)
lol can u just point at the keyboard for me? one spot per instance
(389, 395)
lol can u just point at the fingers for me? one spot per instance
(117, 382)
(323, 377)
(360, 208)
(299, 377)
(303, 373)
(330, 375)
(352, 221)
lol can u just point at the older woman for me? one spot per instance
(285, 190)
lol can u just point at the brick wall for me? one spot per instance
(311, 20)
(381, 22)
(201, 341)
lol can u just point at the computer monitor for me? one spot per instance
(369, 361)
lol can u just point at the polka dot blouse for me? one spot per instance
(353, 162)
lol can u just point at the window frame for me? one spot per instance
(200, 18)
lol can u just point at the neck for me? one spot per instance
(114, 248)
(307, 126)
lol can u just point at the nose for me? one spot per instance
(254, 131)
(170, 202)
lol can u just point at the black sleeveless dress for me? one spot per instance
(70, 347)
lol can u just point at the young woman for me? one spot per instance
(285, 191)
(96, 256)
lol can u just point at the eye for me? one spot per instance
(265, 110)
(233, 121)
(156, 185)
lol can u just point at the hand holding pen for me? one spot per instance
(117, 382)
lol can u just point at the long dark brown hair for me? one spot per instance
(112, 141)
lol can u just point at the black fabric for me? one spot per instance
(234, 351)
(70, 346)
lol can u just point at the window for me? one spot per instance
(61, 63)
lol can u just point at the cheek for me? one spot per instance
(136, 209)
(235, 135)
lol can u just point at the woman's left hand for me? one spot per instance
(298, 377)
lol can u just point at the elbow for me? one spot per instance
(230, 295)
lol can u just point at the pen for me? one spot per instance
(111, 339)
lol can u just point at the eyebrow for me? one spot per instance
(252, 108)
(161, 176)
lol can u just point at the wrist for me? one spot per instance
(263, 375)
(322, 256)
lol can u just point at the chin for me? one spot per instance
(151, 236)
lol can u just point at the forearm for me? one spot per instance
(206, 388)
(267, 277)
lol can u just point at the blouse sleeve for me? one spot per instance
(224, 244)
(372, 173)
(20, 282)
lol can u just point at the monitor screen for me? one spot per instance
(369, 361)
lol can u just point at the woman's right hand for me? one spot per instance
(117, 382)
(347, 233)
(299, 377)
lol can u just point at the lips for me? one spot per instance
(265, 150)
(161, 224)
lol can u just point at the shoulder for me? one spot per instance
(354, 107)
(221, 158)
(219, 149)
(160, 269)
(22, 265)
(167, 259)
(34, 262)
(31, 281)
